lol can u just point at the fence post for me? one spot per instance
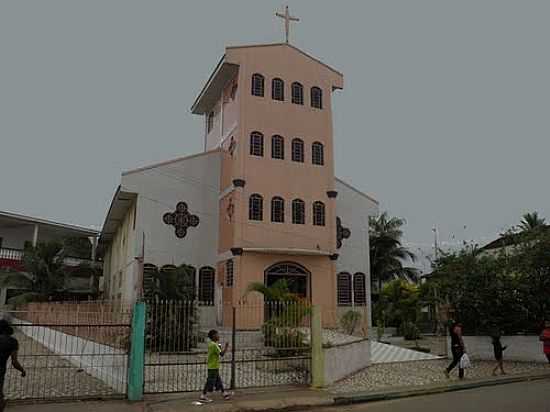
(317, 355)
(137, 353)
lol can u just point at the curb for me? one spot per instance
(407, 393)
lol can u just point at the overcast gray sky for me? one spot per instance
(444, 117)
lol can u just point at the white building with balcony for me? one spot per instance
(18, 231)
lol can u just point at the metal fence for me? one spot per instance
(269, 344)
(70, 351)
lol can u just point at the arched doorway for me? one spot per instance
(297, 277)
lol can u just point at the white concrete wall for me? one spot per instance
(103, 362)
(344, 360)
(354, 208)
(121, 266)
(194, 180)
(520, 348)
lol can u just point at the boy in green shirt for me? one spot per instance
(214, 380)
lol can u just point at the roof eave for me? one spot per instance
(45, 222)
(120, 198)
(213, 88)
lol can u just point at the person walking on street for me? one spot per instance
(8, 349)
(498, 349)
(545, 339)
(457, 348)
(214, 380)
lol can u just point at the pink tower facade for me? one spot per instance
(269, 108)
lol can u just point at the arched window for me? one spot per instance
(298, 150)
(277, 210)
(210, 122)
(277, 147)
(206, 285)
(256, 144)
(343, 286)
(229, 275)
(317, 154)
(297, 93)
(297, 278)
(318, 214)
(256, 207)
(257, 85)
(359, 289)
(316, 98)
(277, 89)
(298, 212)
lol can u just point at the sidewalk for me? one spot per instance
(249, 400)
(273, 399)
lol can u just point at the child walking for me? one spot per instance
(498, 349)
(214, 380)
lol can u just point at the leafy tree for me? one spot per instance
(483, 290)
(172, 313)
(173, 283)
(399, 303)
(531, 263)
(387, 254)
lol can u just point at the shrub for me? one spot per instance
(409, 331)
(350, 321)
(380, 331)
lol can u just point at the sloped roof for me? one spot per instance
(79, 230)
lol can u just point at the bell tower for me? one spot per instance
(268, 108)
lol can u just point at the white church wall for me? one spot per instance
(121, 265)
(194, 180)
(354, 209)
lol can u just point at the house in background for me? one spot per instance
(508, 243)
(18, 231)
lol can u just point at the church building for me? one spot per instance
(260, 203)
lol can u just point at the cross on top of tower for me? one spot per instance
(287, 18)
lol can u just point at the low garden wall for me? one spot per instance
(345, 359)
(519, 348)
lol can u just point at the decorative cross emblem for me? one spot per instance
(181, 219)
(287, 18)
(341, 233)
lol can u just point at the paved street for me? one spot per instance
(525, 396)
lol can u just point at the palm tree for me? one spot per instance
(45, 274)
(173, 315)
(531, 221)
(387, 254)
(279, 291)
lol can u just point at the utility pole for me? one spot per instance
(436, 246)
(436, 294)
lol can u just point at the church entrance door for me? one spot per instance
(296, 276)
